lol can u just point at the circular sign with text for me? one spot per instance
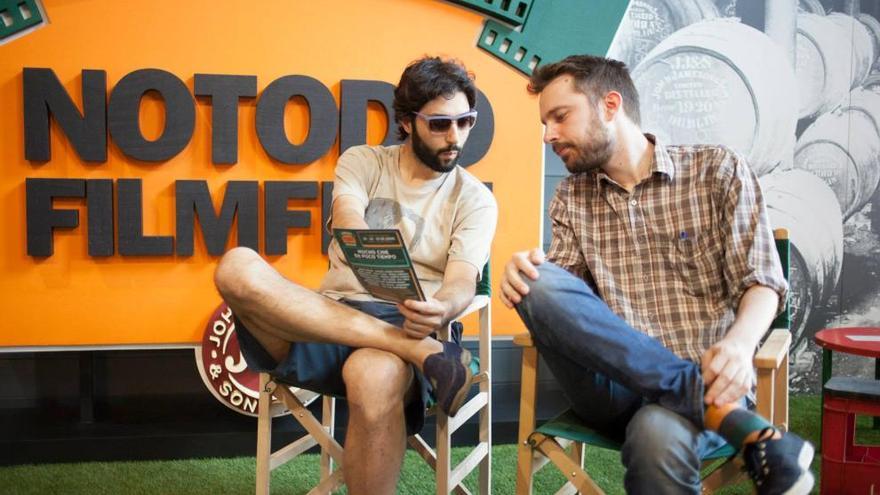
(224, 370)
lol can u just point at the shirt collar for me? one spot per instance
(661, 164)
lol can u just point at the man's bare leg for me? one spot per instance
(376, 385)
(277, 311)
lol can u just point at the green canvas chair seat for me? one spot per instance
(568, 425)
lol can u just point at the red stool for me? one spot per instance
(847, 467)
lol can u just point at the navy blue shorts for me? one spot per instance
(317, 366)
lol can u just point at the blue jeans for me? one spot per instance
(621, 382)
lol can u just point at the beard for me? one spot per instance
(591, 153)
(431, 157)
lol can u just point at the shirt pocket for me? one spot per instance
(696, 263)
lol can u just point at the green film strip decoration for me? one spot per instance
(510, 11)
(18, 15)
(553, 30)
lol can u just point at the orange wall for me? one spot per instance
(73, 299)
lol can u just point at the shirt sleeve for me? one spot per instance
(565, 250)
(750, 255)
(356, 171)
(473, 232)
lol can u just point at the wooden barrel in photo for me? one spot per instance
(807, 207)
(861, 46)
(873, 26)
(872, 82)
(705, 84)
(648, 22)
(811, 7)
(823, 64)
(726, 8)
(842, 148)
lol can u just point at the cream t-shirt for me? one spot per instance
(451, 217)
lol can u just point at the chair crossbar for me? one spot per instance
(567, 489)
(290, 451)
(481, 377)
(729, 471)
(430, 456)
(469, 463)
(539, 460)
(312, 425)
(467, 411)
(329, 484)
(572, 470)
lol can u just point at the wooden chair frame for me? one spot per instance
(536, 449)
(449, 478)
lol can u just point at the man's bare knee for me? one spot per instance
(236, 273)
(376, 381)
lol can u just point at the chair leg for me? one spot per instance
(485, 486)
(529, 381)
(264, 436)
(328, 419)
(448, 479)
(780, 402)
(444, 454)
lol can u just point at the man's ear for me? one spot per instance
(407, 123)
(612, 103)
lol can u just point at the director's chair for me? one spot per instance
(274, 395)
(549, 442)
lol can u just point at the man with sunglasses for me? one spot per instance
(382, 357)
(661, 279)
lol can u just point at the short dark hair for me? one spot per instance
(594, 77)
(426, 79)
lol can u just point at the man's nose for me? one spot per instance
(453, 135)
(550, 134)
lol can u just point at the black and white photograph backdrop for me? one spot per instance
(794, 86)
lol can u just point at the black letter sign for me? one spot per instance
(44, 95)
(124, 111)
(354, 97)
(224, 92)
(193, 197)
(323, 119)
(279, 218)
(132, 241)
(42, 218)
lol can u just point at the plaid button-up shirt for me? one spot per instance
(673, 257)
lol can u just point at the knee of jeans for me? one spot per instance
(545, 289)
(661, 441)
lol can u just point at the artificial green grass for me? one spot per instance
(232, 476)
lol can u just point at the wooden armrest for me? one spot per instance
(479, 302)
(774, 350)
(523, 340)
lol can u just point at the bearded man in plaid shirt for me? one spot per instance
(661, 279)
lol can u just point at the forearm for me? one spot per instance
(755, 313)
(348, 218)
(455, 296)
